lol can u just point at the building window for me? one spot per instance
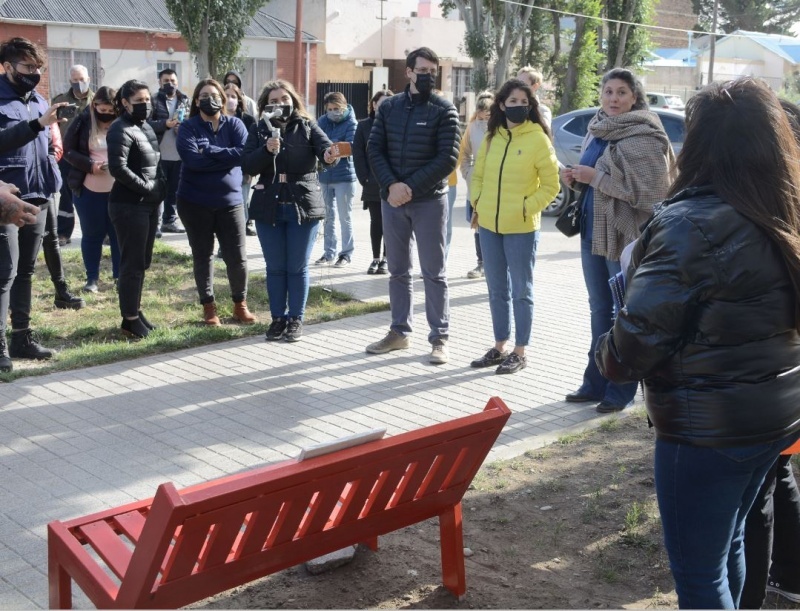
(462, 81)
(169, 66)
(59, 61)
(256, 73)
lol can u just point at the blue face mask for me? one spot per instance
(337, 116)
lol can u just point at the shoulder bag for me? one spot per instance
(569, 221)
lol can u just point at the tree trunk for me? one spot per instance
(622, 42)
(203, 63)
(571, 77)
(556, 37)
(509, 35)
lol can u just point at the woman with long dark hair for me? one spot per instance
(283, 148)
(370, 189)
(210, 145)
(235, 103)
(86, 149)
(138, 189)
(625, 169)
(514, 179)
(711, 324)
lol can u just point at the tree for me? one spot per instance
(213, 30)
(509, 21)
(578, 87)
(774, 17)
(627, 44)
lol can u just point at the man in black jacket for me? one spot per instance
(170, 107)
(413, 148)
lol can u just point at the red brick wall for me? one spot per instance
(141, 41)
(36, 33)
(284, 68)
(673, 14)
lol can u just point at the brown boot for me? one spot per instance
(242, 314)
(210, 314)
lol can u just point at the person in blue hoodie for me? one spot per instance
(338, 182)
(26, 161)
(210, 144)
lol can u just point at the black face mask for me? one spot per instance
(210, 106)
(26, 83)
(168, 89)
(140, 111)
(517, 114)
(104, 117)
(424, 83)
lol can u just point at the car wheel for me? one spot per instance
(557, 205)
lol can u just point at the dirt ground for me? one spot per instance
(572, 525)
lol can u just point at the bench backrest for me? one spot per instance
(227, 533)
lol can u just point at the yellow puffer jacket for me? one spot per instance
(515, 178)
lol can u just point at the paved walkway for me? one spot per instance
(77, 442)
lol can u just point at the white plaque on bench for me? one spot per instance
(341, 443)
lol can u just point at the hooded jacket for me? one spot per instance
(26, 159)
(249, 103)
(709, 324)
(343, 131)
(414, 141)
(515, 177)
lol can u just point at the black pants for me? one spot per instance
(66, 211)
(19, 248)
(135, 225)
(202, 223)
(172, 170)
(772, 535)
(52, 252)
(376, 228)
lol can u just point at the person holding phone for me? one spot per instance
(86, 149)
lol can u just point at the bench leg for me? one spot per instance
(452, 544)
(60, 586)
(371, 543)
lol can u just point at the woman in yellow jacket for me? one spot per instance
(515, 178)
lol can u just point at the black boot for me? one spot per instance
(5, 359)
(23, 346)
(66, 300)
(135, 328)
(146, 322)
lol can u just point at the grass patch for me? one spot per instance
(91, 336)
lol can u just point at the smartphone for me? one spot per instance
(67, 112)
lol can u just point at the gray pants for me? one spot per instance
(425, 220)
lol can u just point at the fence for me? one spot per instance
(357, 95)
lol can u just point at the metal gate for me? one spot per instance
(357, 95)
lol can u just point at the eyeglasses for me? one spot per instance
(27, 68)
(431, 71)
(206, 96)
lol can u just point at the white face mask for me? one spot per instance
(232, 104)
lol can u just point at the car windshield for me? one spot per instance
(673, 100)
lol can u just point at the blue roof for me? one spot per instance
(783, 46)
(672, 57)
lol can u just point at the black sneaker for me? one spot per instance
(66, 300)
(5, 359)
(24, 346)
(276, 329)
(383, 267)
(512, 364)
(250, 229)
(491, 359)
(373, 267)
(173, 227)
(146, 322)
(342, 261)
(135, 329)
(294, 330)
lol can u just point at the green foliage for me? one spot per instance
(637, 41)
(213, 30)
(775, 17)
(535, 49)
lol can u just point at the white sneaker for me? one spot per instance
(392, 341)
(439, 354)
(476, 273)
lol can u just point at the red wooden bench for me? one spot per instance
(185, 545)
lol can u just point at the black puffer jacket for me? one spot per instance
(76, 150)
(416, 143)
(371, 190)
(303, 143)
(133, 162)
(709, 325)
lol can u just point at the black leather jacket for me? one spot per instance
(416, 143)
(370, 189)
(709, 325)
(76, 150)
(303, 143)
(133, 162)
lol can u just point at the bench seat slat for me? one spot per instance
(131, 523)
(108, 546)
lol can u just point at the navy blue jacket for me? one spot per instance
(344, 131)
(415, 142)
(25, 157)
(160, 115)
(211, 173)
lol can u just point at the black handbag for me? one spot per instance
(569, 221)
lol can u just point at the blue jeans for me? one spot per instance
(508, 261)
(597, 270)
(424, 219)
(704, 495)
(342, 208)
(451, 202)
(96, 225)
(287, 248)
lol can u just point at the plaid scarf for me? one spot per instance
(637, 169)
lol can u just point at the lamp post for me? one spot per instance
(381, 19)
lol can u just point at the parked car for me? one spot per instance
(569, 130)
(665, 100)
